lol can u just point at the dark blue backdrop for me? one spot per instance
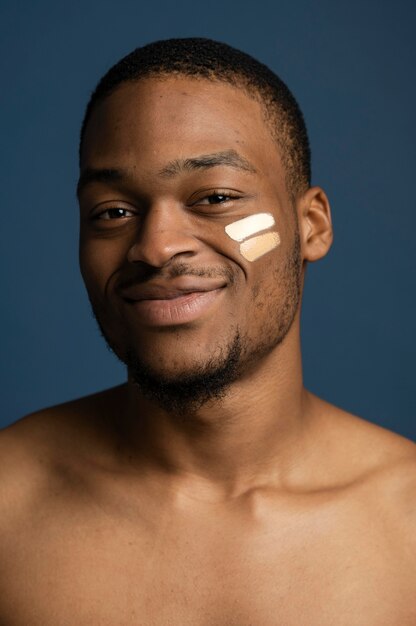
(351, 66)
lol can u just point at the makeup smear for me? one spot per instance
(253, 247)
(249, 226)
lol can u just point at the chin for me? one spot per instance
(173, 365)
(183, 385)
(176, 352)
(165, 372)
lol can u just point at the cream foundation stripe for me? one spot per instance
(250, 225)
(253, 248)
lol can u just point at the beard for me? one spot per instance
(186, 392)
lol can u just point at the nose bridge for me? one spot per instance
(162, 234)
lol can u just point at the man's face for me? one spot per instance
(166, 166)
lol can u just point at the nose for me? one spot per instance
(164, 233)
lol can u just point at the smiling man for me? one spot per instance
(211, 489)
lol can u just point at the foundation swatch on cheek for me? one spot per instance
(253, 246)
(250, 225)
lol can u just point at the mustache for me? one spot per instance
(175, 271)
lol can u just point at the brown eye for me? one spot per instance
(217, 198)
(115, 213)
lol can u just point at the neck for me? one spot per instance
(229, 445)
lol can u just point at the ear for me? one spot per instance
(315, 224)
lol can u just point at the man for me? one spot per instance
(211, 488)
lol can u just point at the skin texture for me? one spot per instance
(262, 506)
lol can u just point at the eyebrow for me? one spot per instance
(229, 158)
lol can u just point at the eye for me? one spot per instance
(216, 198)
(114, 214)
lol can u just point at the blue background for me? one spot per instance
(350, 64)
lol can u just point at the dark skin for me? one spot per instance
(265, 506)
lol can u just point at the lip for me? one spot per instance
(161, 290)
(174, 308)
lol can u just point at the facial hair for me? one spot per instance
(210, 381)
(187, 392)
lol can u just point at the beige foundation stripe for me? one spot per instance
(252, 249)
(249, 226)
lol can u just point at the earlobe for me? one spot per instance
(315, 224)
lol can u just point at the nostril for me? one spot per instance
(158, 248)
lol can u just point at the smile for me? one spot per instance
(171, 311)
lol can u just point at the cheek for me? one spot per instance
(98, 261)
(255, 247)
(246, 232)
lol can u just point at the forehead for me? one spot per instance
(155, 120)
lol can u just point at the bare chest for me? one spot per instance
(206, 572)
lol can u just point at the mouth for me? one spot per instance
(174, 308)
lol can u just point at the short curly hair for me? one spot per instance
(204, 58)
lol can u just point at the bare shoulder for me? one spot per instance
(48, 428)
(382, 463)
(33, 449)
(391, 492)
